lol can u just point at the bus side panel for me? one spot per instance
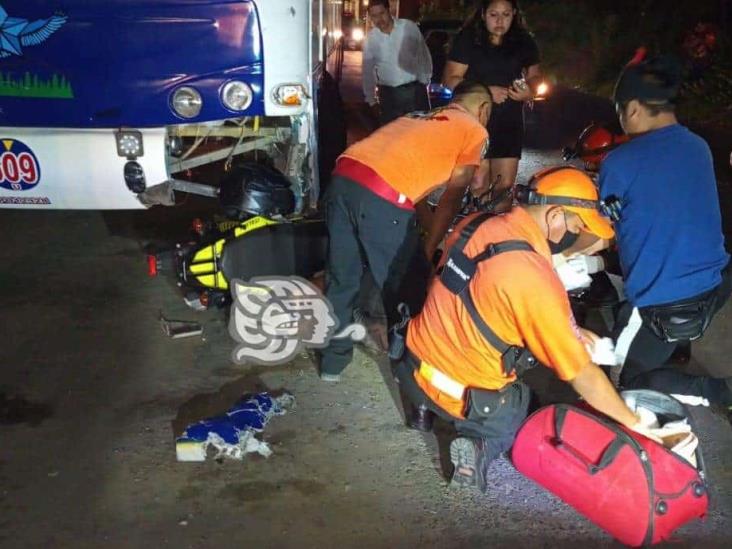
(333, 51)
(286, 43)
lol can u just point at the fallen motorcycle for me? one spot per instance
(262, 239)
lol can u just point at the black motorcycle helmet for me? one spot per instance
(256, 189)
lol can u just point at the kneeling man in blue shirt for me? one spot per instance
(669, 233)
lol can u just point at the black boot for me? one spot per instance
(469, 463)
(420, 418)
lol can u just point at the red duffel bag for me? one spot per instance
(627, 484)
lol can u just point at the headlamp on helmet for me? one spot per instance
(572, 189)
(526, 195)
(609, 208)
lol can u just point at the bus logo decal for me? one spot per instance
(16, 32)
(19, 167)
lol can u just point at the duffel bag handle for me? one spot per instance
(607, 457)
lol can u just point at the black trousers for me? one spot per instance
(506, 129)
(646, 360)
(366, 229)
(400, 100)
(497, 427)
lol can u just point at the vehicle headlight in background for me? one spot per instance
(289, 95)
(542, 90)
(357, 34)
(337, 34)
(186, 102)
(129, 143)
(236, 95)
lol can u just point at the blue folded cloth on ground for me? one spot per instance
(232, 433)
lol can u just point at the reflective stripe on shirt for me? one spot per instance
(441, 382)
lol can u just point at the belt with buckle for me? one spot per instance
(407, 85)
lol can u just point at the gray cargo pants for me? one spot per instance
(364, 228)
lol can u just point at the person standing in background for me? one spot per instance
(495, 49)
(396, 59)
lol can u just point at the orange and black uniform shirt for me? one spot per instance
(416, 153)
(518, 295)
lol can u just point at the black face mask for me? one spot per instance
(565, 243)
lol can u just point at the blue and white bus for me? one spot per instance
(115, 104)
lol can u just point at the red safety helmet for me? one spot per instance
(596, 141)
(593, 145)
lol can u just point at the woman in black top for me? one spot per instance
(495, 49)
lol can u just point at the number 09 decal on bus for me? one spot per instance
(19, 167)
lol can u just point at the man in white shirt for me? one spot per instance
(396, 59)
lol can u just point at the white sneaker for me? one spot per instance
(331, 378)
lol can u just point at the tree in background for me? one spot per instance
(445, 9)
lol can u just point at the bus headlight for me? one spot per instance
(236, 95)
(289, 95)
(186, 102)
(357, 34)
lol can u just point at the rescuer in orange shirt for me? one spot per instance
(369, 205)
(489, 318)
